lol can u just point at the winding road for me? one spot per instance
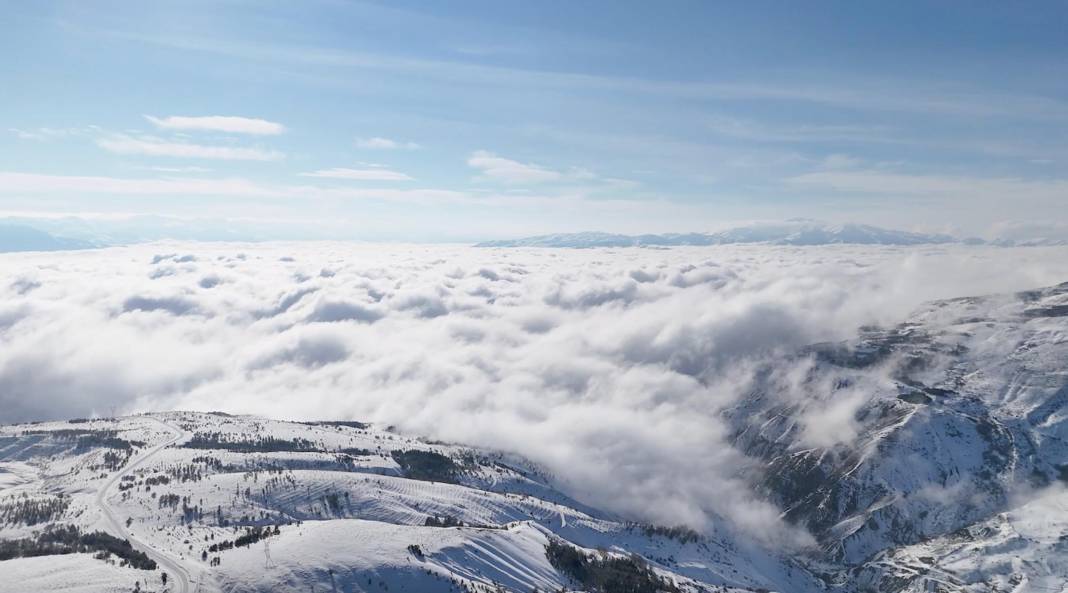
(179, 576)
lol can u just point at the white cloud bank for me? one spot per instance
(218, 123)
(609, 367)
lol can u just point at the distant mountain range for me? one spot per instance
(59, 234)
(791, 232)
(23, 238)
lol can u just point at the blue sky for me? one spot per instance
(460, 121)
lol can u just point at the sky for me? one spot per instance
(478, 120)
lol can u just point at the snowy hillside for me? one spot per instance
(224, 503)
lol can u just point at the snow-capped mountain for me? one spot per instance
(791, 232)
(926, 456)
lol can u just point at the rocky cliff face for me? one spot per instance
(963, 412)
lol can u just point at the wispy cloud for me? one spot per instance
(499, 168)
(378, 143)
(840, 161)
(372, 174)
(32, 183)
(218, 123)
(177, 169)
(46, 133)
(856, 93)
(761, 131)
(124, 144)
(871, 181)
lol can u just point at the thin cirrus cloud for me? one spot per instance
(149, 146)
(499, 168)
(378, 143)
(16, 182)
(12, 182)
(218, 123)
(178, 169)
(944, 186)
(46, 133)
(371, 174)
(861, 93)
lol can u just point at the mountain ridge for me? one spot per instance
(19, 238)
(793, 232)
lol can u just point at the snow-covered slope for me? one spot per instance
(325, 506)
(953, 418)
(1022, 549)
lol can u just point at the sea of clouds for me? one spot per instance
(608, 367)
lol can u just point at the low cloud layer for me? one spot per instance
(608, 367)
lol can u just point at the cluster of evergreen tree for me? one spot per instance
(332, 501)
(213, 463)
(356, 451)
(68, 539)
(94, 440)
(169, 500)
(258, 444)
(157, 480)
(191, 513)
(85, 439)
(607, 574)
(428, 466)
(450, 521)
(251, 536)
(192, 472)
(443, 521)
(348, 423)
(27, 510)
(679, 533)
(114, 460)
